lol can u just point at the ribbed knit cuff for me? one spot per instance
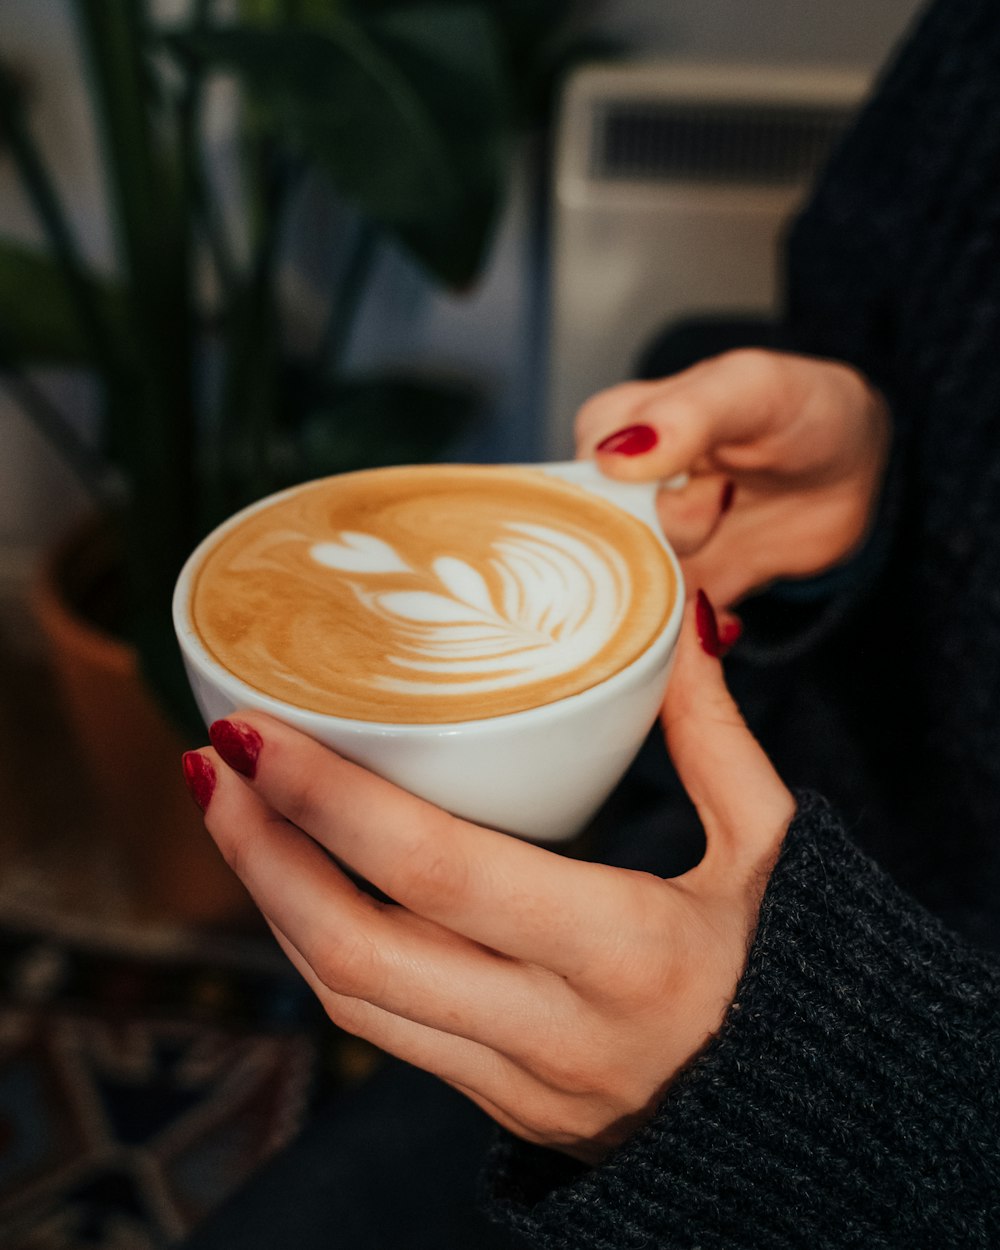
(852, 1097)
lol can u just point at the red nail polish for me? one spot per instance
(730, 632)
(199, 777)
(238, 744)
(632, 441)
(728, 495)
(714, 641)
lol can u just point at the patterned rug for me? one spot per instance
(139, 1086)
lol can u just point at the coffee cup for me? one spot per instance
(521, 707)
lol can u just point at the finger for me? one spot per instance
(745, 551)
(690, 516)
(731, 399)
(774, 536)
(509, 1092)
(506, 894)
(509, 895)
(492, 1081)
(512, 896)
(743, 803)
(452, 1057)
(609, 410)
(362, 949)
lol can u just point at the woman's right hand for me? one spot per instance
(785, 455)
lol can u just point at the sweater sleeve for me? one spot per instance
(851, 1098)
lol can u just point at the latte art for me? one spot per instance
(561, 600)
(432, 594)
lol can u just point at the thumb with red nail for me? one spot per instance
(743, 803)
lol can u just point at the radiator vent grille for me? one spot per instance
(712, 143)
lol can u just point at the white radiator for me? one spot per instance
(673, 186)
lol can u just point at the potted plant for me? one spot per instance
(407, 109)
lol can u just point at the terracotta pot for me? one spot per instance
(130, 754)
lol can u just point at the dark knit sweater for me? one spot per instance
(852, 1097)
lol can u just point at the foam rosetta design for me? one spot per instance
(557, 602)
(431, 594)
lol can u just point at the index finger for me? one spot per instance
(729, 399)
(513, 896)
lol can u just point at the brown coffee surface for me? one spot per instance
(431, 594)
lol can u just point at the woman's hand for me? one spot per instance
(560, 996)
(786, 456)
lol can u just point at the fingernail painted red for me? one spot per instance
(716, 638)
(708, 627)
(238, 744)
(728, 495)
(634, 440)
(199, 776)
(730, 632)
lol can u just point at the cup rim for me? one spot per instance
(196, 654)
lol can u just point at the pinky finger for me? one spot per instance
(467, 1065)
(471, 1068)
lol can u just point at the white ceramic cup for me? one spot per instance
(541, 774)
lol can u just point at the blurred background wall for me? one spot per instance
(496, 333)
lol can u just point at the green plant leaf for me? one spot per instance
(537, 39)
(452, 55)
(39, 321)
(367, 422)
(343, 102)
(404, 113)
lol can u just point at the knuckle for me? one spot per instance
(572, 1062)
(347, 964)
(756, 363)
(677, 409)
(638, 983)
(581, 1104)
(638, 970)
(550, 1122)
(353, 1015)
(643, 986)
(772, 377)
(566, 1069)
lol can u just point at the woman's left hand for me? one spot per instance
(561, 996)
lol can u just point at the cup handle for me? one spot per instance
(639, 498)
